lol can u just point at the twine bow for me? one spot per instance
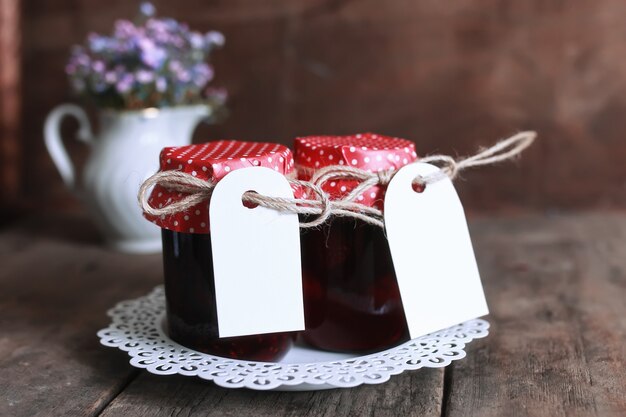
(319, 205)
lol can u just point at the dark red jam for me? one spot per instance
(351, 296)
(191, 310)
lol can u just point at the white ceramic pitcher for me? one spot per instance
(123, 155)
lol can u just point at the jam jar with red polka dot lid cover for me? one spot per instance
(187, 251)
(351, 296)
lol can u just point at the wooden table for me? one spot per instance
(556, 288)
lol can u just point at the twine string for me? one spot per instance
(502, 151)
(317, 205)
(196, 191)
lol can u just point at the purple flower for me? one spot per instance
(203, 73)
(157, 26)
(183, 76)
(110, 77)
(147, 9)
(125, 83)
(151, 55)
(144, 77)
(177, 41)
(175, 66)
(97, 43)
(82, 59)
(215, 38)
(124, 29)
(161, 84)
(196, 40)
(98, 67)
(142, 57)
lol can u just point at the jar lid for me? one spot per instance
(366, 151)
(211, 161)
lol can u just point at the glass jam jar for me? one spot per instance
(351, 296)
(187, 254)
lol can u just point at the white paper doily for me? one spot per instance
(138, 328)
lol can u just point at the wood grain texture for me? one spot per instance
(56, 284)
(412, 394)
(556, 289)
(555, 284)
(10, 100)
(450, 75)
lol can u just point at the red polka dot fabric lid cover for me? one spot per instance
(367, 151)
(211, 161)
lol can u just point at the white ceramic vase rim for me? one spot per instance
(153, 111)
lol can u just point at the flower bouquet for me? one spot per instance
(151, 62)
(151, 80)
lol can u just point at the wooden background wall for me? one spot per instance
(10, 101)
(450, 75)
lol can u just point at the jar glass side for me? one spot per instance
(352, 299)
(191, 306)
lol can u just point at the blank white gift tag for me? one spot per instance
(256, 257)
(432, 252)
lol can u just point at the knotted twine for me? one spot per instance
(318, 204)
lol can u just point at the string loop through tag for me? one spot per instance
(318, 204)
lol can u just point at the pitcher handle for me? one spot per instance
(54, 142)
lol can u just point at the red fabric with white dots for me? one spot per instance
(367, 151)
(212, 160)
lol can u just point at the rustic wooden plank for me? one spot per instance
(555, 284)
(10, 100)
(602, 311)
(56, 284)
(410, 394)
(556, 289)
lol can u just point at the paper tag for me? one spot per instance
(432, 253)
(256, 257)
